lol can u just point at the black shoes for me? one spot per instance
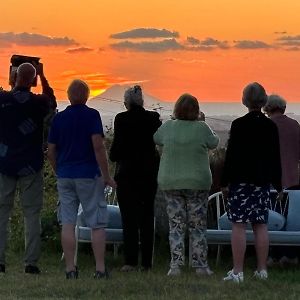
(29, 269)
(101, 275)
(2, 268)
(72, 274)
(97, 275)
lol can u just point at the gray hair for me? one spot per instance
(26, 73)
(254, 96)
(78, 92)
(133, 96)
(275, 103)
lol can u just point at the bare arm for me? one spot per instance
(101, 157)
(52, 155)
(47, 90)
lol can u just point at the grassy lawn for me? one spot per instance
(51, 284)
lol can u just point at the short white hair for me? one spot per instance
(134, 96)
(78, 91)
(254, 96)
(275, 103)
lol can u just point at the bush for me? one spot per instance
(50, 226)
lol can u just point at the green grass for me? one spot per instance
(51, 284)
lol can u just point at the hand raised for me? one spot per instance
(39, 69)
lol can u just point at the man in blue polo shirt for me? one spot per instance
(77, 154)
(22, 116)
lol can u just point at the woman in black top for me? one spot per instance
(252, 164)
(136, 175)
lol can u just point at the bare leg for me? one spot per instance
(261, 239)
(98, 243)
(68, 244)
(238, 246)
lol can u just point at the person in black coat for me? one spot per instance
(252, 165)
(137, 162)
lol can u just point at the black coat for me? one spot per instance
(253, 152)
(133, 148)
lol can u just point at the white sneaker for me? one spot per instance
(262, 274)
(174, 272)
(237, 278)
(204, 271)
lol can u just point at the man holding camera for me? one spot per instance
(22, 116)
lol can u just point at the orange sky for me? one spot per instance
(208, 48)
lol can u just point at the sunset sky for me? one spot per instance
(210, 48)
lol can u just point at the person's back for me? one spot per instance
(252, 165)
(21, 131)
(185, 162)
(133, 147)
(75, 152)
(289, 139)
(137, 161)
(251, 149)
(22, 116)
(185, 179)
(139, 130)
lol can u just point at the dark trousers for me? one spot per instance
(136, 202)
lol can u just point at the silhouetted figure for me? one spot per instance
(78, 156)
(185, 178)
(137, 161)
(289, 140)
(22, 116)
(252, 164)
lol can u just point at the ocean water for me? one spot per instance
(219, 115)
(165, 108)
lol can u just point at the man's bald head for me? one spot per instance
(26, 73)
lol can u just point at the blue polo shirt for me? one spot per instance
(71, 131)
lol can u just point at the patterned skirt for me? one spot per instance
(248, 203)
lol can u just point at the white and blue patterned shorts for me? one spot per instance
(248, 203)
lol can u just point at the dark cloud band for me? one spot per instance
(79, 50)
(145, 33)
(34, 39)
(159, 46)
(249, 44)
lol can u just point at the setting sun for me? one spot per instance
(94, 93)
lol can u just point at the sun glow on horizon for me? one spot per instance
(94, 93)
(210, 49)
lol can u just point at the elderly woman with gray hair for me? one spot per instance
(137, 161)
(289, 139)
(252, 165)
